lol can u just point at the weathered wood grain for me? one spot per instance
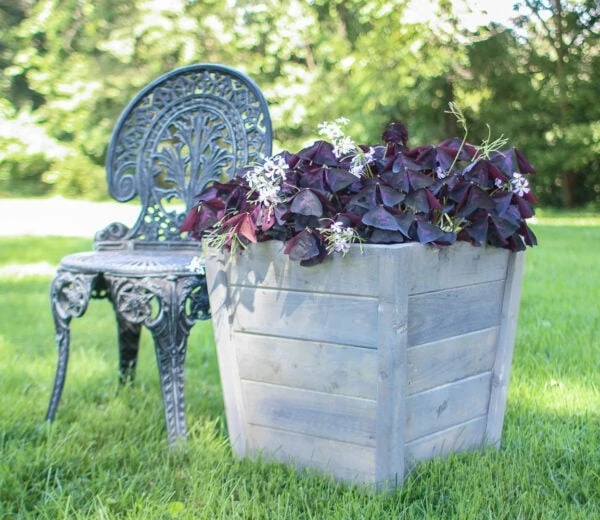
(349, 320)
(368, 363)
(335, 417)
(458, 438)
(391, 342)
(452, 312)
(265, 265)
(344, 461)
(324, 367)
(462, 264)
(217, 282)
(434, 364)
(504, 354)
(446, 406)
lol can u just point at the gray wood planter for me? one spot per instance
(368, 363)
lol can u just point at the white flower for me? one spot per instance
(339, 238)
(441, 173)
(498, 183)
(336, 228)
(343, 146)
(197, 266)
(332, 130)
(520, 185)
(275, 167)
(267, 179)
(360, 162)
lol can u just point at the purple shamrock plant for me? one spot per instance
(335, 193)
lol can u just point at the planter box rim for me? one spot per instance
(278, 244)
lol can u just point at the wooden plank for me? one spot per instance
(329, 416)
(432, 269)
(344, 461)
(391, 394)
(446, 406)
(266, 265)
(348, 320)
(503, 362)
(458, 438)
(451, 359)
(217, 274)
(462, 264)
(444, 314)
(324, 367)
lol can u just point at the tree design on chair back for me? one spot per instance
(194, 126)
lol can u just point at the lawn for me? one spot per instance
(106, 454)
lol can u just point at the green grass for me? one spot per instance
(106, 455)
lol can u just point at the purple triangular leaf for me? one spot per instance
(386, 236)
(306, 202)
(303, 246)
(395, 133)
(503, 161)
(502, 199)
(505, 227)
(405, 222)
(422, 158)
(419, 180)
(515, 243)
(460, 192)
(338, 179)
(478, 173)
(525, 208)
(417, 200)
(433, 202)
(389, 196)
(524, 165)
(478, 229)
(313, 179)
(528, 234)
(478, 199)
(428, 232)
(365, 198)
(320, 152)
(380, 218)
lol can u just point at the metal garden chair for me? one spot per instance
(189, 127)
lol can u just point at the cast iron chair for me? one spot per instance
(189, 127)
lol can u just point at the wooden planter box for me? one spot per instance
(368, 363)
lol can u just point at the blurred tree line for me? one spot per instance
(70, 66)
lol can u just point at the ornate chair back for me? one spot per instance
(192, 126)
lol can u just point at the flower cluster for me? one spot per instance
(338, 238)
(343, 145)
(266, 180)
(335, 192)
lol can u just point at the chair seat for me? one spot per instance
(131, 263)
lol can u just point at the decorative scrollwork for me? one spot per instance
(70, 294)
(113, 232)
(193, 126)
(170, 325)
(133, 300)
(69, 297)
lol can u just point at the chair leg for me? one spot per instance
(69, 297)
(160, 304)
(171, 361)
(129, 346)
